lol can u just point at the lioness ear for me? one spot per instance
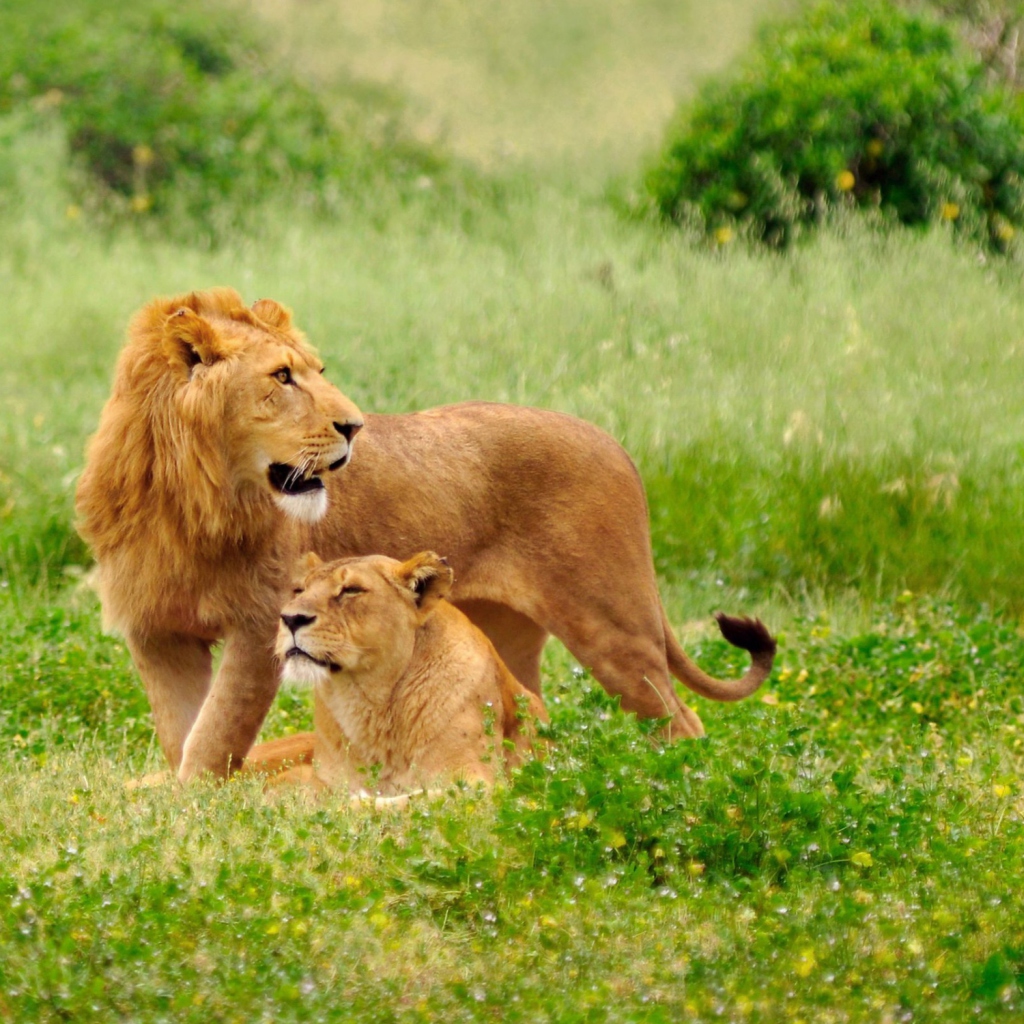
(190, 339)
(308, 562)
(429, 577)
(273, 313)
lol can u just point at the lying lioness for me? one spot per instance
(408, 692)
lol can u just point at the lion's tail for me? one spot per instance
(749, 634)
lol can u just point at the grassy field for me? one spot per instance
(833, 439)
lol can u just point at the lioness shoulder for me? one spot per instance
(408, 692)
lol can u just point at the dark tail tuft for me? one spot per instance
(749, 634)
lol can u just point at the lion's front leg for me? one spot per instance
(235, 707)
(175, 671)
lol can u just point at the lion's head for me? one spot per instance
(217, 410)
(358, 617)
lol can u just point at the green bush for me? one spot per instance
(176, 108)
(857, 104)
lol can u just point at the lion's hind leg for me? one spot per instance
(518, 640)
(632, 663)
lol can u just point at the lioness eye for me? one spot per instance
(348, 591)
(299, 590)
(284, 375)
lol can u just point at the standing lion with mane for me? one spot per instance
(219, 458)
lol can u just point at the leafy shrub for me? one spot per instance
(175, 108)
(859, 103)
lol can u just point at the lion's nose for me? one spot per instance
(296, 622)
(349, 429)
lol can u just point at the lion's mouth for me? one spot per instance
(291, 480)
(298, 652)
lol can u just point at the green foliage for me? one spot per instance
(176, 108)
(828, 521)
(857, 104)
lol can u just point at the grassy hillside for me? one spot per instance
(585, 84)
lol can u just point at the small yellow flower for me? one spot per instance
(143, 156)
(917, 707)
(724, 235)
(1004, 231)
(73, 212)
(875, 147)
(695, 869)
(845, 181)
(950, 211)
(1001, 791)
(804, 963)
(140, 204)
(802, 676)
(862, 859)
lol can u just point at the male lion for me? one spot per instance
(212, 468)
(404, 683)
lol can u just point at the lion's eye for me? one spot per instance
(349, 591)
(284, 375)
(299, 590)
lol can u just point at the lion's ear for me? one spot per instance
(429, 577)
(190, 339)
(273, 313)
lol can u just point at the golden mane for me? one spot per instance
(157, 451)
(157, 500)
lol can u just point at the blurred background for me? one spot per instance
(771, 246)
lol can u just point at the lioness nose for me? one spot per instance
(350, 429)
(296, 622)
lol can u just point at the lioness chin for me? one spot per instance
(219, 458)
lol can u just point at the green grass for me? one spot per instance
(849, 849)
(832, 439)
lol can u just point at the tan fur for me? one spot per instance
(408, 692)
(542, 517)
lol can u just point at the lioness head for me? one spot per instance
(215, 404)
(358, 617)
